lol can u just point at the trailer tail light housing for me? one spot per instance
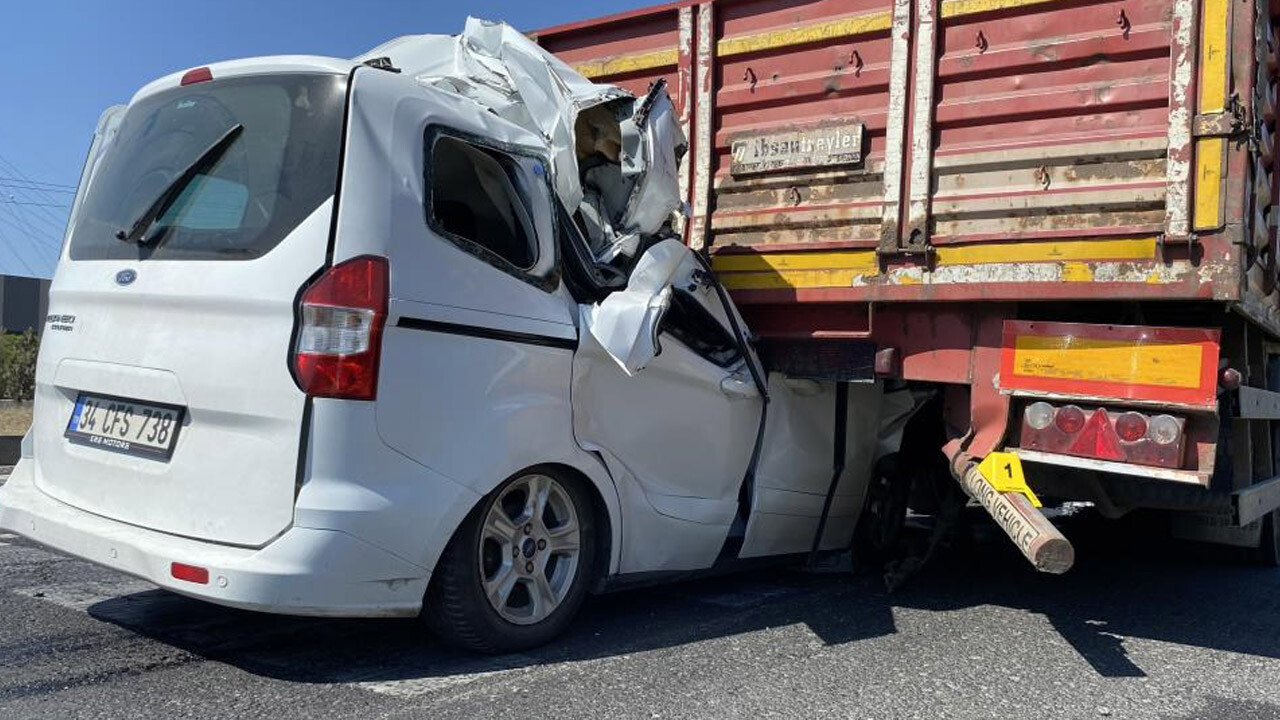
(1126, 436)
(341, 315)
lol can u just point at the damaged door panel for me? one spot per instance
(682, 428)
(666, 386)
(626, 323)
(795, 466)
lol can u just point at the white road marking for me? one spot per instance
(459, 674)
(8, 536)
(83, 595)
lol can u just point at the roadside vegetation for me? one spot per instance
(17, 380)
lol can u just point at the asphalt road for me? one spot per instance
(1140, 629)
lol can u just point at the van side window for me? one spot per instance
(473, 197)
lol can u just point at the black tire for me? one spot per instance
(884, 513)
(456, 608)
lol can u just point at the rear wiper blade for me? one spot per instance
(162, 203)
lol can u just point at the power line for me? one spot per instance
(34, 204)
(13, 247)
(29, 201)
(38, 184)
(21, 186)
(40, 194)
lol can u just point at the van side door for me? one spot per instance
(663, 390)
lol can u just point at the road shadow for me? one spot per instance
(1128, 581)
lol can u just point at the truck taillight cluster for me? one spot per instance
(1120, 435)
(340, 333)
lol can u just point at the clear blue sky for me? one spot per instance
(62, 63)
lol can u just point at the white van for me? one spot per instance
(316, 346)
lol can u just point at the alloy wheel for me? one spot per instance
(530, 545)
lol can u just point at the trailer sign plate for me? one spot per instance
(818, 146)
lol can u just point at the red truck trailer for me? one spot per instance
(1055, 214)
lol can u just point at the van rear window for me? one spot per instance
(273, 172)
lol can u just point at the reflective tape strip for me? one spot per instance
(804, 34)
(628, 63)
(1046, 251)
(956, 8)
(1176, 366)
(839, 268)
(769, 40)
(1210, 162)
(1113, 361)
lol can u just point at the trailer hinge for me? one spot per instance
(917, 243)
(1164, 241)
(1228, 123)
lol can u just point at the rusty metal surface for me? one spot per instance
(1029, 147)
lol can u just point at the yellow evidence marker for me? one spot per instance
(1004, 471)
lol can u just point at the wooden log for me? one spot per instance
(1047, 549)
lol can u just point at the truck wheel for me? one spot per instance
(516, 571)
(883, 514)
(1269, 547)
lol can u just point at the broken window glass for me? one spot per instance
(693, 325)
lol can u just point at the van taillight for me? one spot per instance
(341, 314)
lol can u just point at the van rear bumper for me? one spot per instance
(304, 571)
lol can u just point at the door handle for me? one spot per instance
(736, 387)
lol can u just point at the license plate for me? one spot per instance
(125, 426)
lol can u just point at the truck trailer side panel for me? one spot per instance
(1084, 189)
(1054, 149)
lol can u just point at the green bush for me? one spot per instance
(18, 365)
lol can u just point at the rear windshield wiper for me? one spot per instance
(136, 232)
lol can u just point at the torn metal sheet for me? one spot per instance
(619, 152)
(627, 322)
(498, 67)
(633, 197)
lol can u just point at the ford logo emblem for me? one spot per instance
(125, 277)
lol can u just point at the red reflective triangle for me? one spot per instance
(1098, 439)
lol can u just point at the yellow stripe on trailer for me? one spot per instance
(839, 268)
(628, 63)
(805, 34)
(1210, 156)
(956, 8)
(779, 271)
(1047, 251)
(1111, 361)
